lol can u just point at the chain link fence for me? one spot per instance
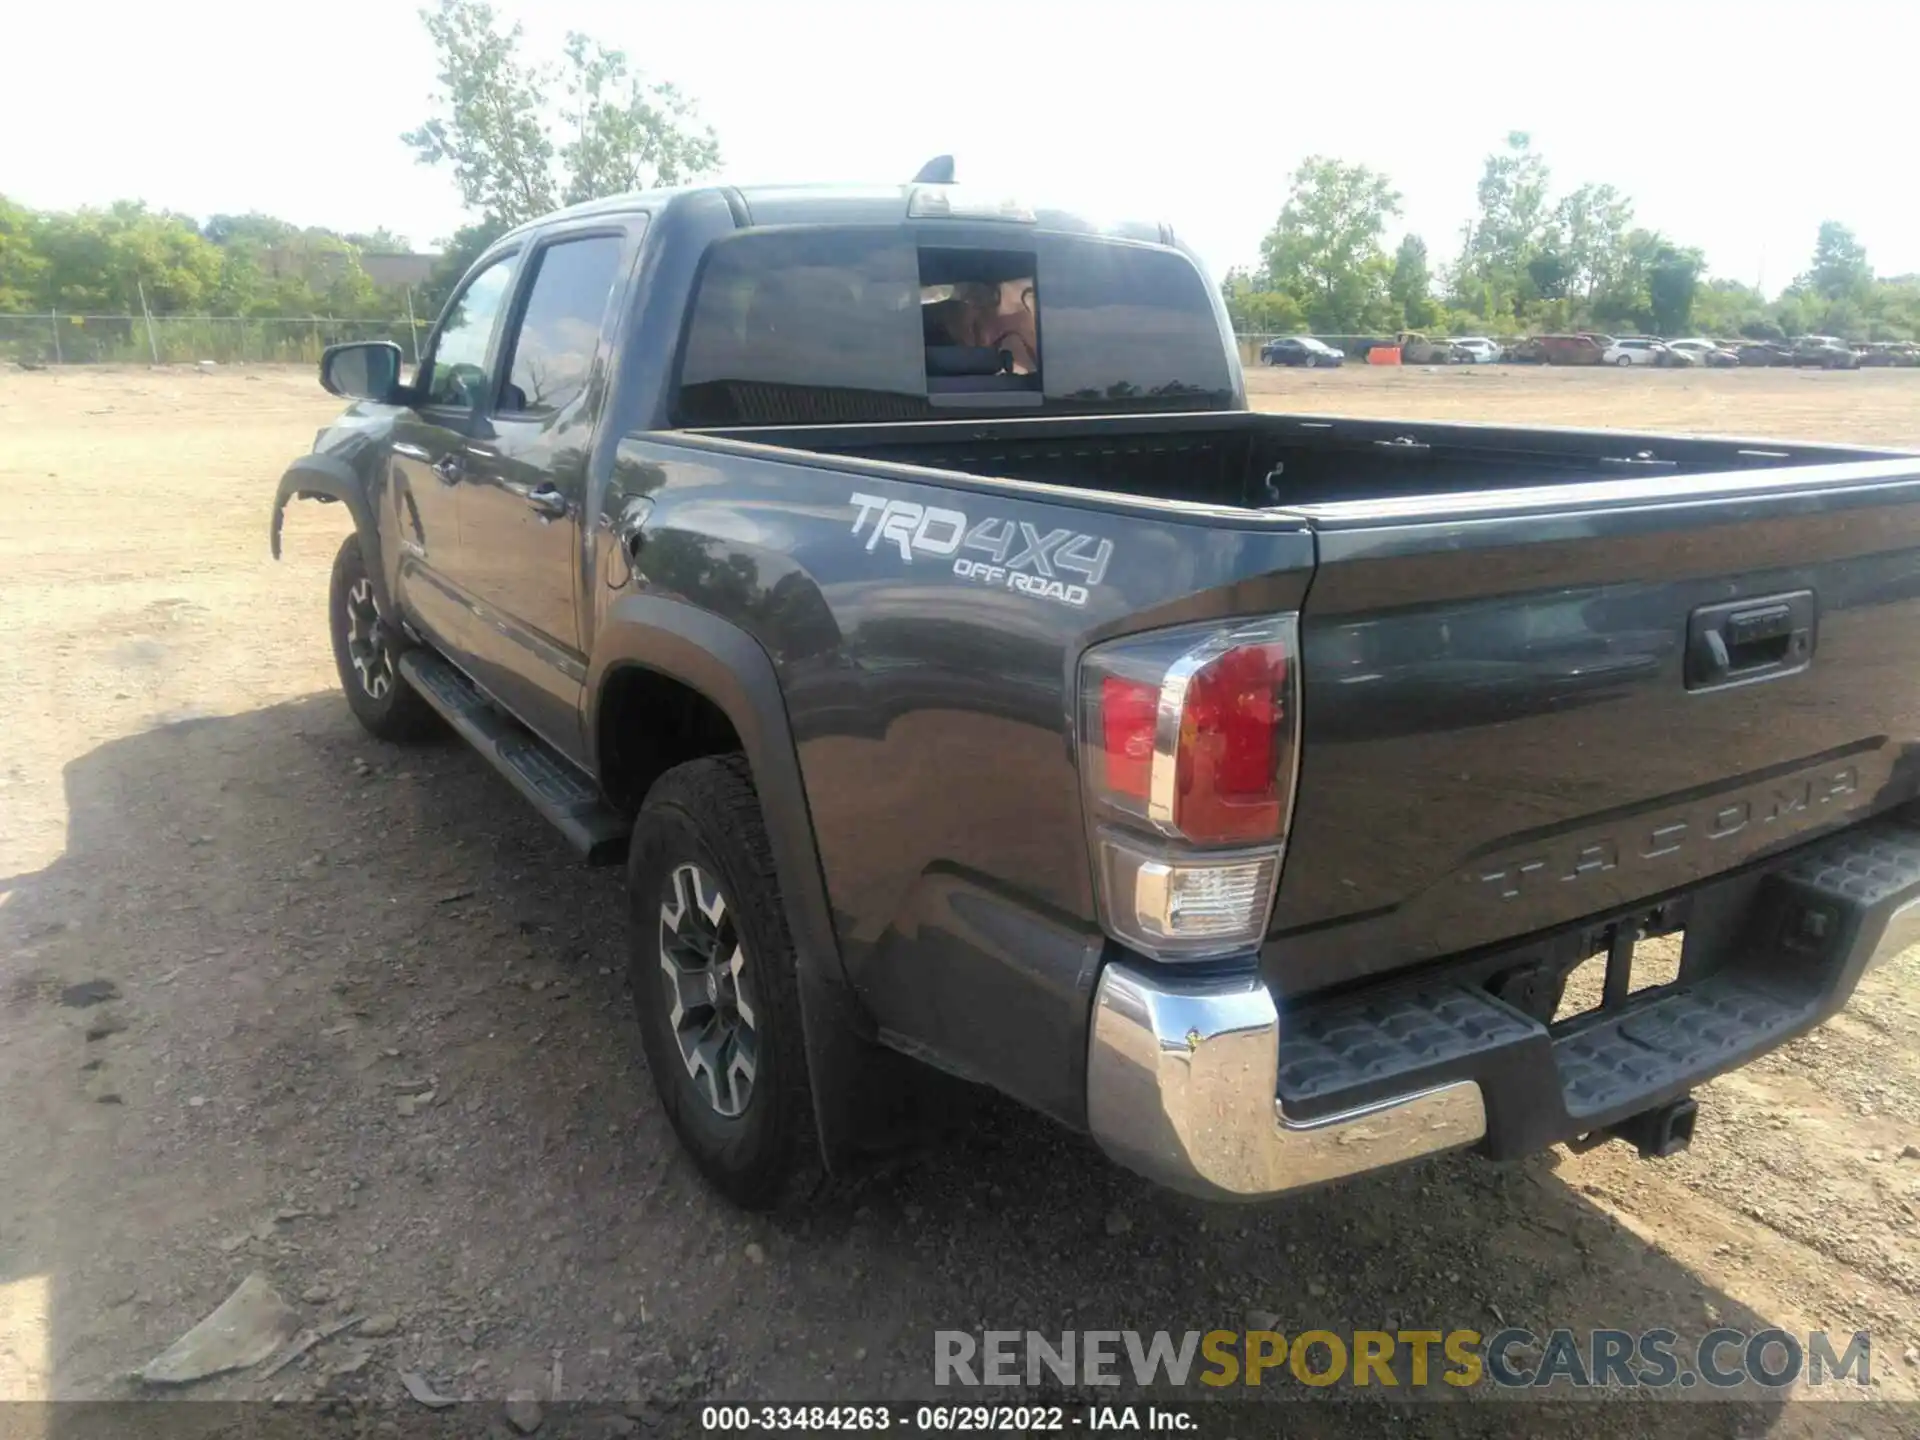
(60, 339)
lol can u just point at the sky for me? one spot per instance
(1735, 127)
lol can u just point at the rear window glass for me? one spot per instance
(828, 326)
(980, 321)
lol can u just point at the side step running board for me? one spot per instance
(556, 789)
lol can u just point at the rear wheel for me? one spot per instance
(1624, 360)
(712, 974)
(366, 650)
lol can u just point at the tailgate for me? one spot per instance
(1530, 707)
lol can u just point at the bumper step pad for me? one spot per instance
(1816, 925)
(1664, 1044)
(1346, 1048)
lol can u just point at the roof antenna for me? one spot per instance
(937, 171)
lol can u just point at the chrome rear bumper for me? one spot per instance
(1186, 1073)
(1182, 1080)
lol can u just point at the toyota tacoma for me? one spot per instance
(896, 581)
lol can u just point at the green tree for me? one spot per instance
(379, 241)
(1673, 279)
(1727, 308)
(1508, 229)
(22, 267)
(1255, 308)
(457, 254)
(1410, 286)
(252, 229)
(105, 260)
(1893, 308)
(628, 134)
(1840, 270)
(1653, 285)
(487, 123)
(1325, 249)
(1587, 232)
(490, 120)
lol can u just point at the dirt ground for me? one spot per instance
(365, 1028)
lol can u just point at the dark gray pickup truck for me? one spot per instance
(901, 585)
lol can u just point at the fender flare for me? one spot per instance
(729, 667)
(322, 477)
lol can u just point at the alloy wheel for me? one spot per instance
(704, 967)
(367, 641)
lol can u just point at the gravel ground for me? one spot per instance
(362, 1028)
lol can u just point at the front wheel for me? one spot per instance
(712, 972)
(367, 650)
(1624, 360)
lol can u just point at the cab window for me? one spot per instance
(457, 369)
(559, 330)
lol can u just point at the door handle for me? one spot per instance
(547, 502)
(450, 468)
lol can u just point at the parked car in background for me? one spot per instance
(1897, 352)
(1479, 349)
(1824, 351)
(1526, 351)
(1705, 352)
(1300, 350)
(1574, 349)
(1765, 352)
(1643, 350)
(1417, 349)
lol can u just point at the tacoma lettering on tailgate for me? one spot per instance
(1782, 806)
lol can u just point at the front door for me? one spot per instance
(430, 456)
(525, 483)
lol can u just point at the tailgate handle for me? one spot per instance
(1745, 640)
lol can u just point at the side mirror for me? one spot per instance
(363, 370)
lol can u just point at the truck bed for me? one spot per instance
(1510, 721)
(1258, 460)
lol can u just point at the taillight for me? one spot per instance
(1227, 779)
(1189, 739)
(1127, 712)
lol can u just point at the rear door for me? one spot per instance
(430, 453)
(525, 479)
(1529, 708)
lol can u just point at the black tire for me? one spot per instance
(369, 663)
(704, 815)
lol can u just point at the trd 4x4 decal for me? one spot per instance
(1014, 554)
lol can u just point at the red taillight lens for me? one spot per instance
(1234, 730)
(1187, 745)
(1224, 777)
(1129, 710)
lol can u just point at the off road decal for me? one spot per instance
(1013, 555)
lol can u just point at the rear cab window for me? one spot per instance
(829, 325)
